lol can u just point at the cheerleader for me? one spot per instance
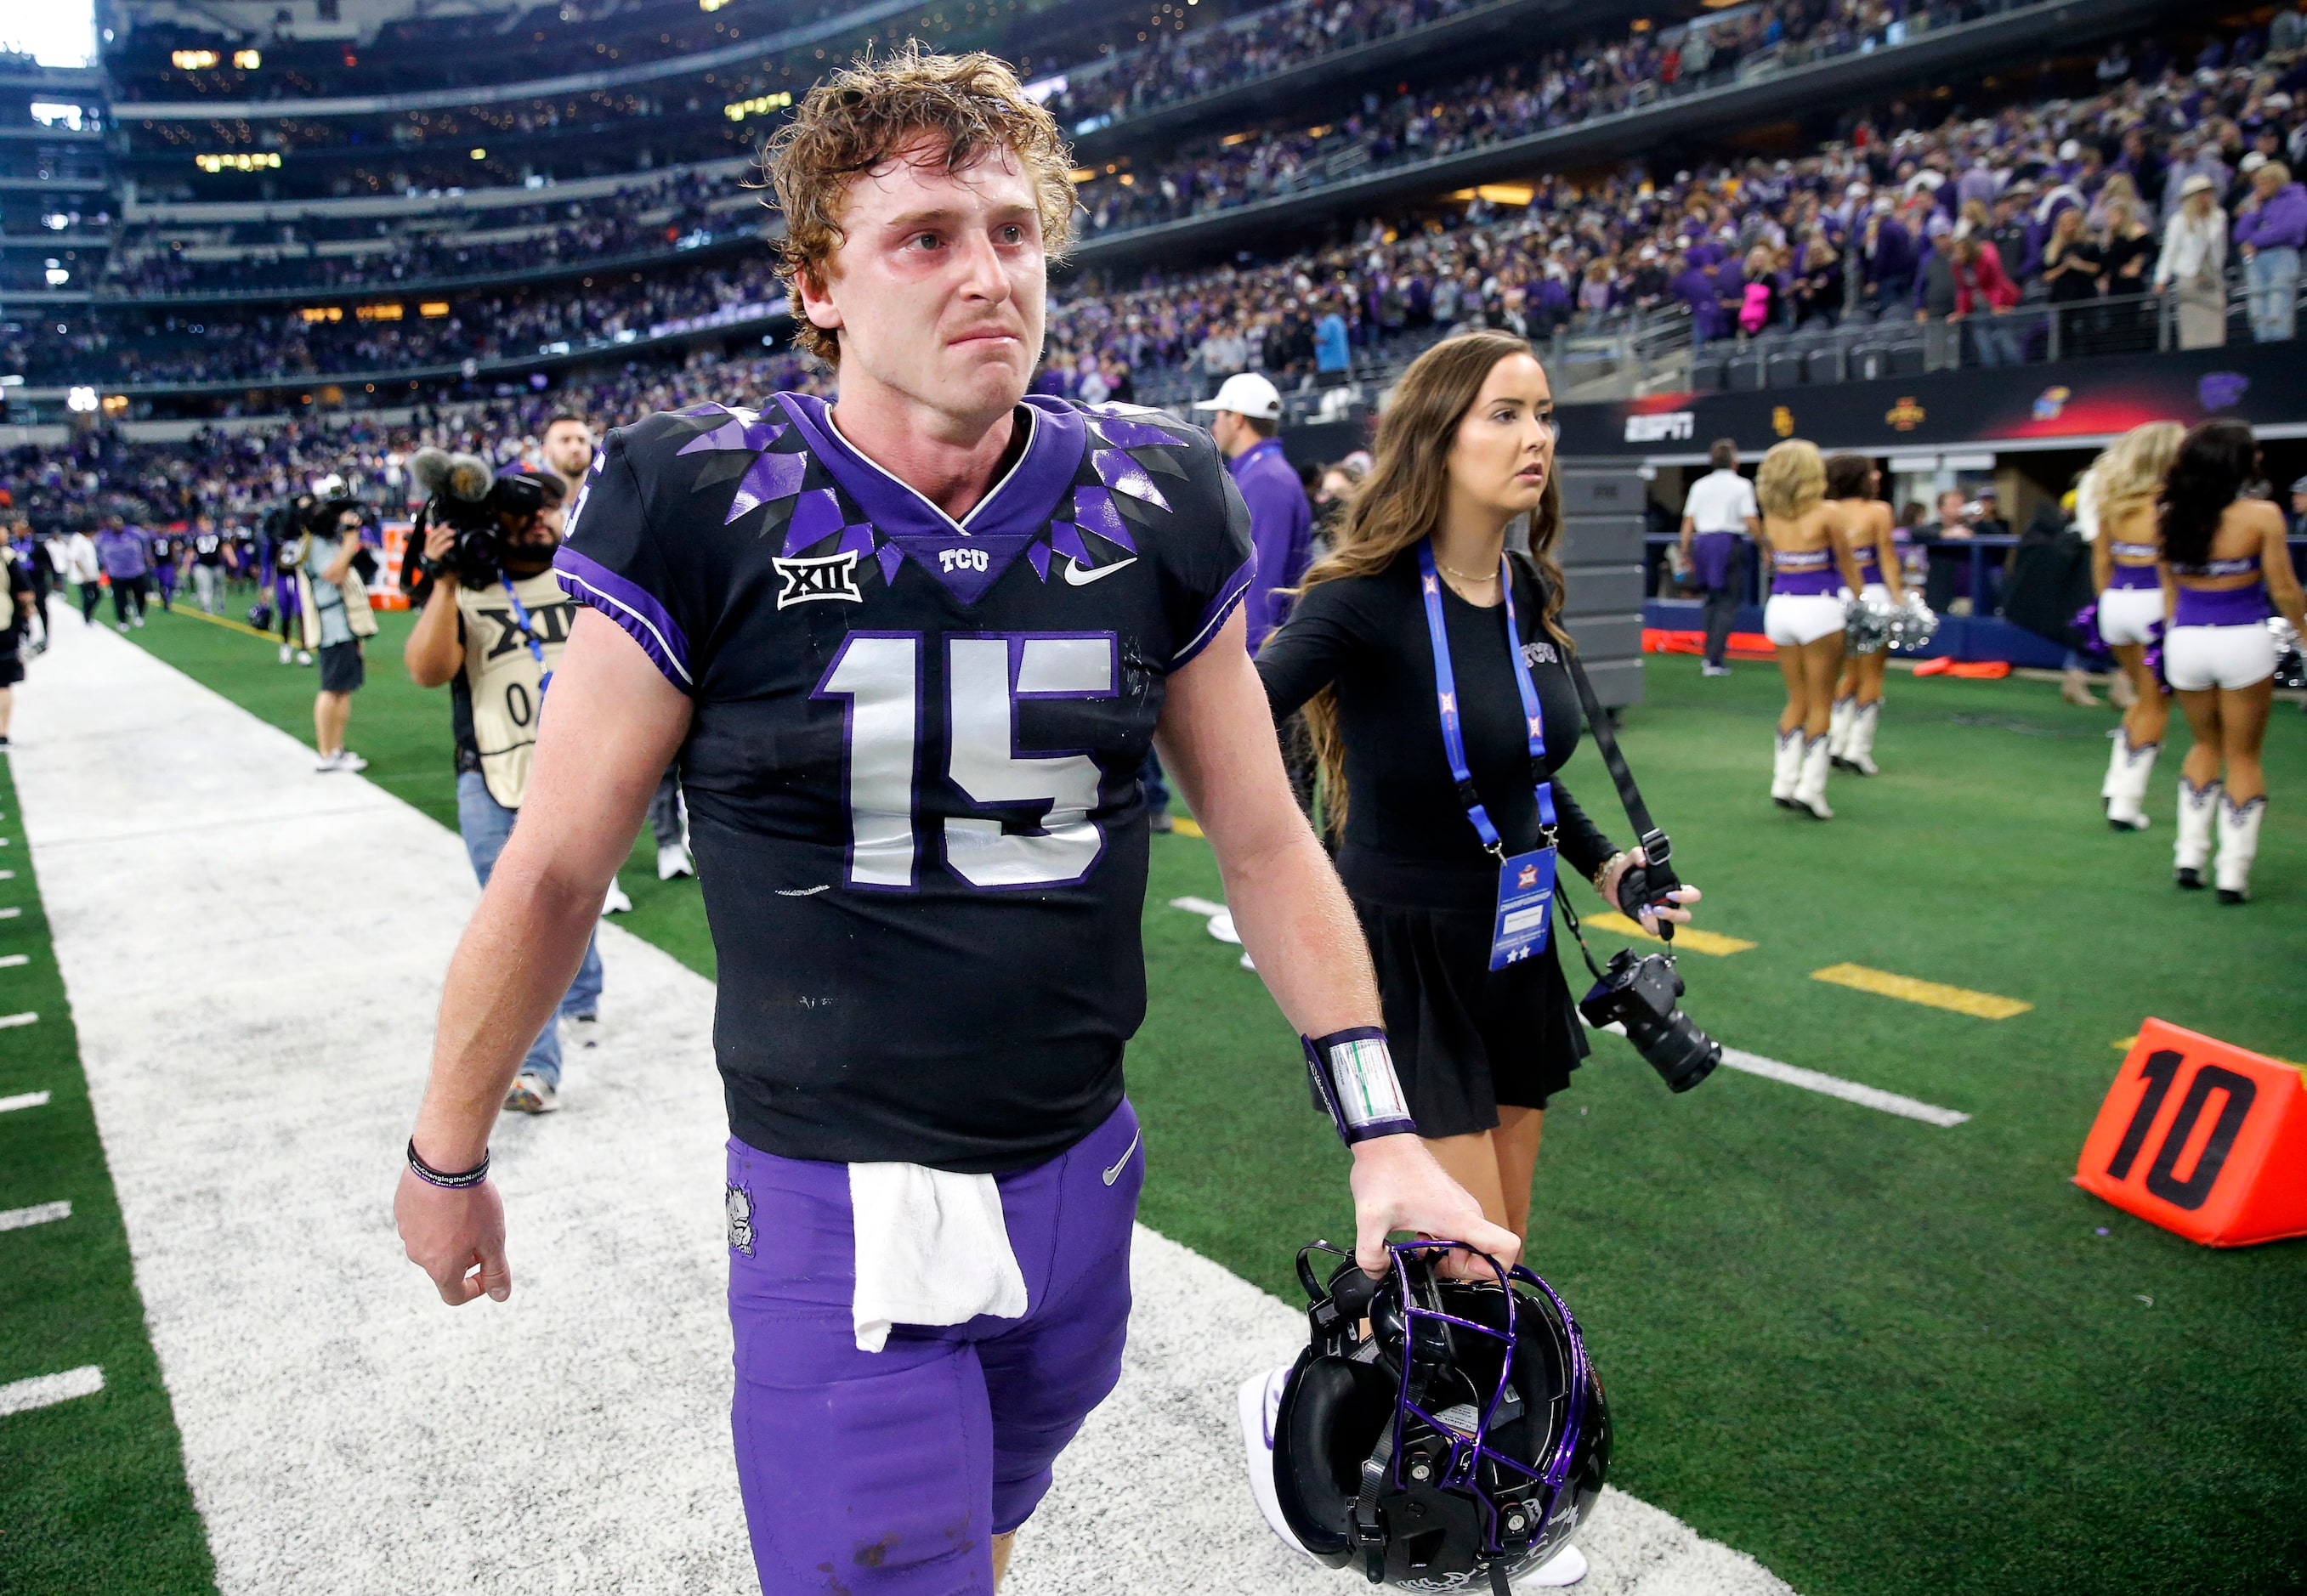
(2117, 500)
(2225, 557)
(1809, 553)
(1855, 487)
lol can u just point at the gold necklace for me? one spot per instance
(1461, 576)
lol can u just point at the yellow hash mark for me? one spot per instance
(1982, 1005)
(1187, 827)
(1684, 936)
(219, 620)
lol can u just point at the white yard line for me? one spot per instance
(332, 1387)
(10, 961)
(1834, 1085)
(23, 1100)
(46, 1213)
(27, 1017)
(46, 1390)
(10, 914)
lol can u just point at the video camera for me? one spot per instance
(487, 510)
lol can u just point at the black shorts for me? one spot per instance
(340, 666)
(11, 668)
(1467, 1038)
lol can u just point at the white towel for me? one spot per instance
(932, 1249)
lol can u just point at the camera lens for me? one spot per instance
(1682, 1055)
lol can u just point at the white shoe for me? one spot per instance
(673, 859)
(1258, 1400)
(330, 762)
(2238, 830)
(121, 626)
(1564, 1567)
(303, 656)
(1858, 743)
(580, 1031)
(1838, 726)
(348, 761)
(2190, 849)
(1704, 670)
(139, 620)
(616, 902)
(1786, 768)
(1810, 791)
(284, 653)
(532, 1093)
(2128, 772)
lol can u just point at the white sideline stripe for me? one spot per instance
(46, 1213)
(1849, 1091)
(46, 1390)
(343, 1393)
(28, 1018)
(23, 1100)
(1197, 906)
(10, 961)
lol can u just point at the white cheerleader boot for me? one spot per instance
(1837, 728)
(1810, 791)
(2192, 849)
(1858, 748)
(1788, 770)
(2128, 772)
(2238, 847)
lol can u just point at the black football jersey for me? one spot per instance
(912, 769)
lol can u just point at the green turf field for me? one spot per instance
(1879, 1355)
(92, 1493)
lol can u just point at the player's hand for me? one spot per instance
(457, 1235)
(1398, 1185)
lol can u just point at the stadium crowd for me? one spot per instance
(638, 218)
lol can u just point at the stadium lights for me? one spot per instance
(81, 401)
(248, 60)
(49, 113)
(711, 4)
(312, 313)
(56, 275)
(760, 105)
(193, 60)
(387, 312)
(263, 161)
(432, 308)
(115, 404)
(479, 154)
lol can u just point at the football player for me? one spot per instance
(911, 649)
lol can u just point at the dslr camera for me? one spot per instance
(488, 511)
(1642, 993)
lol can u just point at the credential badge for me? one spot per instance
(826, 577)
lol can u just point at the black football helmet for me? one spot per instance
(1442, 1434)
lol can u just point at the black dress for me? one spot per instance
(1465, 1039)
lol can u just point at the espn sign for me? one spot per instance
(1666, 426)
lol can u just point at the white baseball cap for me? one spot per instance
(1246, 392)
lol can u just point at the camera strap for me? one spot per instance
(527, 630)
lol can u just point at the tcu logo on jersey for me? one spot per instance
(827, 576)
(961, 559)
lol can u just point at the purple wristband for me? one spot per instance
(1353, 1077)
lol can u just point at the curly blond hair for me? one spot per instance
(869, 111)
(2131, 470)
(1791, 479)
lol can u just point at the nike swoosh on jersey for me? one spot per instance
(1114, 1174)
(1080, 576)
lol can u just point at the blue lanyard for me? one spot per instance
(529, 636)
(1446, 684)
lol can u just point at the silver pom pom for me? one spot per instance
(1866, 625)
(2290, 663)
(1912, 624)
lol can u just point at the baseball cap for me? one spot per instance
(1246, 392)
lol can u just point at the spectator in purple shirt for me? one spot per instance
(2269, 228)
(122, 551)
(1888, 251)
(1246, 414)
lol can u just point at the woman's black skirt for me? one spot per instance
(1467, 1038)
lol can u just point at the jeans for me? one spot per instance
(486, 826)
(1157, 788)
(1993, 344)
(667, 820)
(2274, 279)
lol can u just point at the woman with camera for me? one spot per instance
(2121, 489)
(1855, 487)
(2226, 558)
(1809, 552)
(1419, 649)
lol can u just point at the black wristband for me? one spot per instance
(438, 1177)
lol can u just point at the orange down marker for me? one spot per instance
(2202, 1139)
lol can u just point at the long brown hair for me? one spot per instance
(1400, 504)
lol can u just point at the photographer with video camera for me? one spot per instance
(325, 561)
(493, 624)
(1442, 701)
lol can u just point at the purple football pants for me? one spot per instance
(887, 1474)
